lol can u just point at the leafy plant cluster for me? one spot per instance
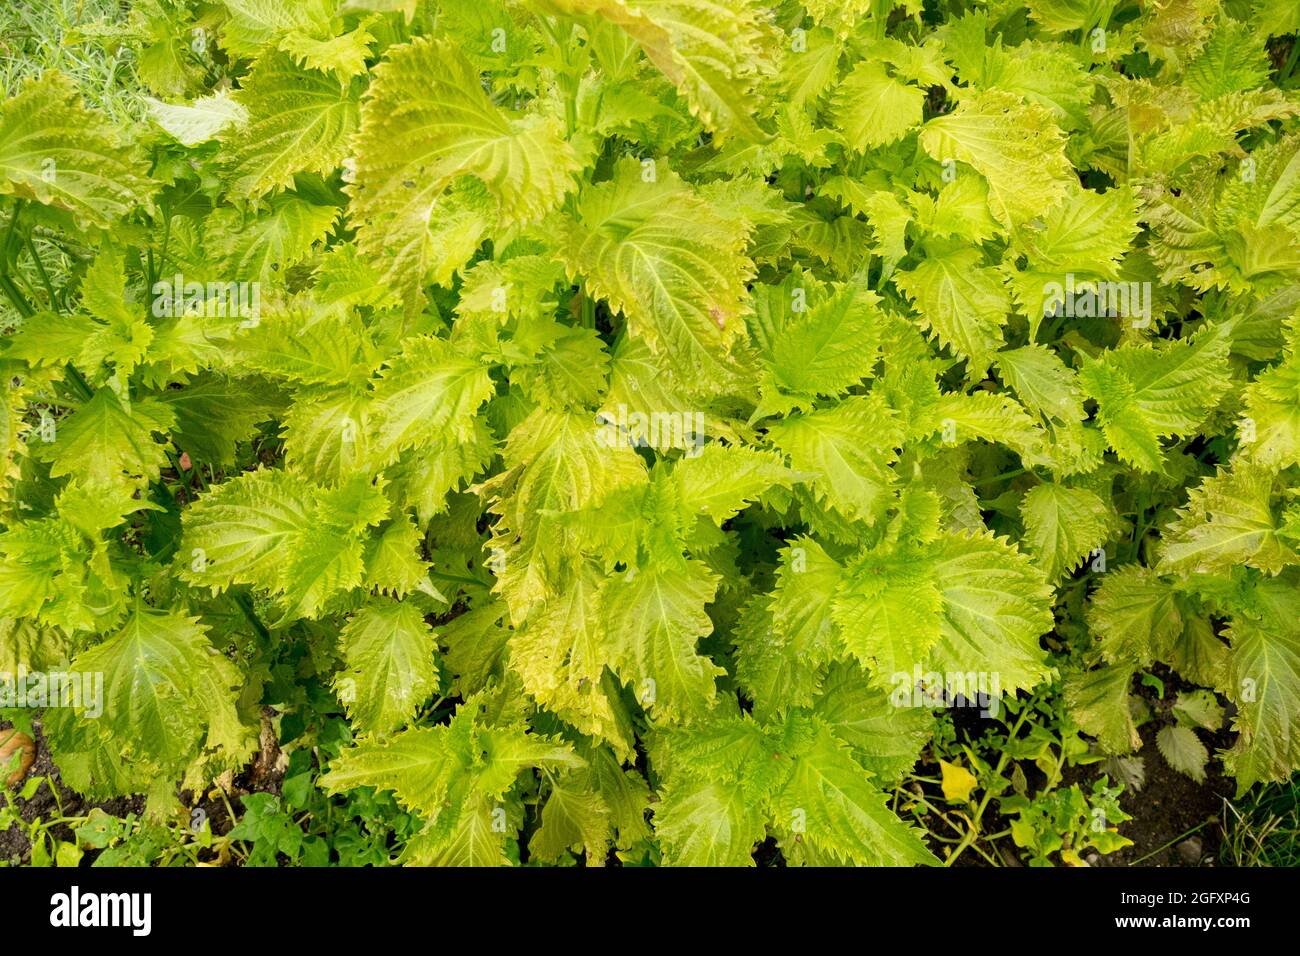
(639, 420)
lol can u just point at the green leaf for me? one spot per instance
(848, 449)
(1064, 525)
(1228, 521)
(709, 824)
(1232, 60)
(167, 694)
(886, 739)
(785, 641)
(963, 304)
(1145, 393)
(1087, 234)
(390, 670)
(455, 775)
(1199, 709)
(1270, 429)
(213, 415)
(241, 532)
(655, 619)
(56, 152)
(108, 444)
(425, 121)
(723, 479)
(1136, 616)
(283, 535)
(873, 108)
(292, 121)
(842, 813)
(831, 348)
(427, 393)
(1016, 146)
(1098, 701)
(256, 24)
(574, 818)
(1183, 751)
(561, 653)
(995, 607)
(292, 344)
(1042, 382)
(251, 249)
(1265, 684)
(711, 52)
(193, 123)
(889, 610)
(675, 267)
(555, 463)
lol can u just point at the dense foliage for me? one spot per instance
(639, 420)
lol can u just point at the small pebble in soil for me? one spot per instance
(1190, 850)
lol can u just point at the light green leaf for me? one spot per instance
(1183, 751)
(197, 122)
(962, 303)
(56, 152)
(655, 619)
(1064, 525)
(1098, 701)
(1015, 145)
(389, 656)
(655, 251)
(426, 120)
(292, 121)
(873, 108)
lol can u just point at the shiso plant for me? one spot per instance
(601, 431)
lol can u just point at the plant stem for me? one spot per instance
(9, 235)
(1289, 66)
(443, 575)
(162, 254)
(15, 296)
(1014, 473)
(40, 268)
(246, 606)
(1180, 836)
(988, 794)
(79, 383)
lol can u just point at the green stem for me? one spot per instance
(1128, 156)
(9, 235)
(1140, 527)
(457, 578)
(988, 794)
(1054, 329)
(15, 296)
(162, 253)
(40, 268)
(7, 284)
(246, 606)
(181, 473)
(1289, 66)
(79, 383)
(1180, 836)
(1015, 473)
(566, 81)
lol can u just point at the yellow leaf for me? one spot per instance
(958, 782)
